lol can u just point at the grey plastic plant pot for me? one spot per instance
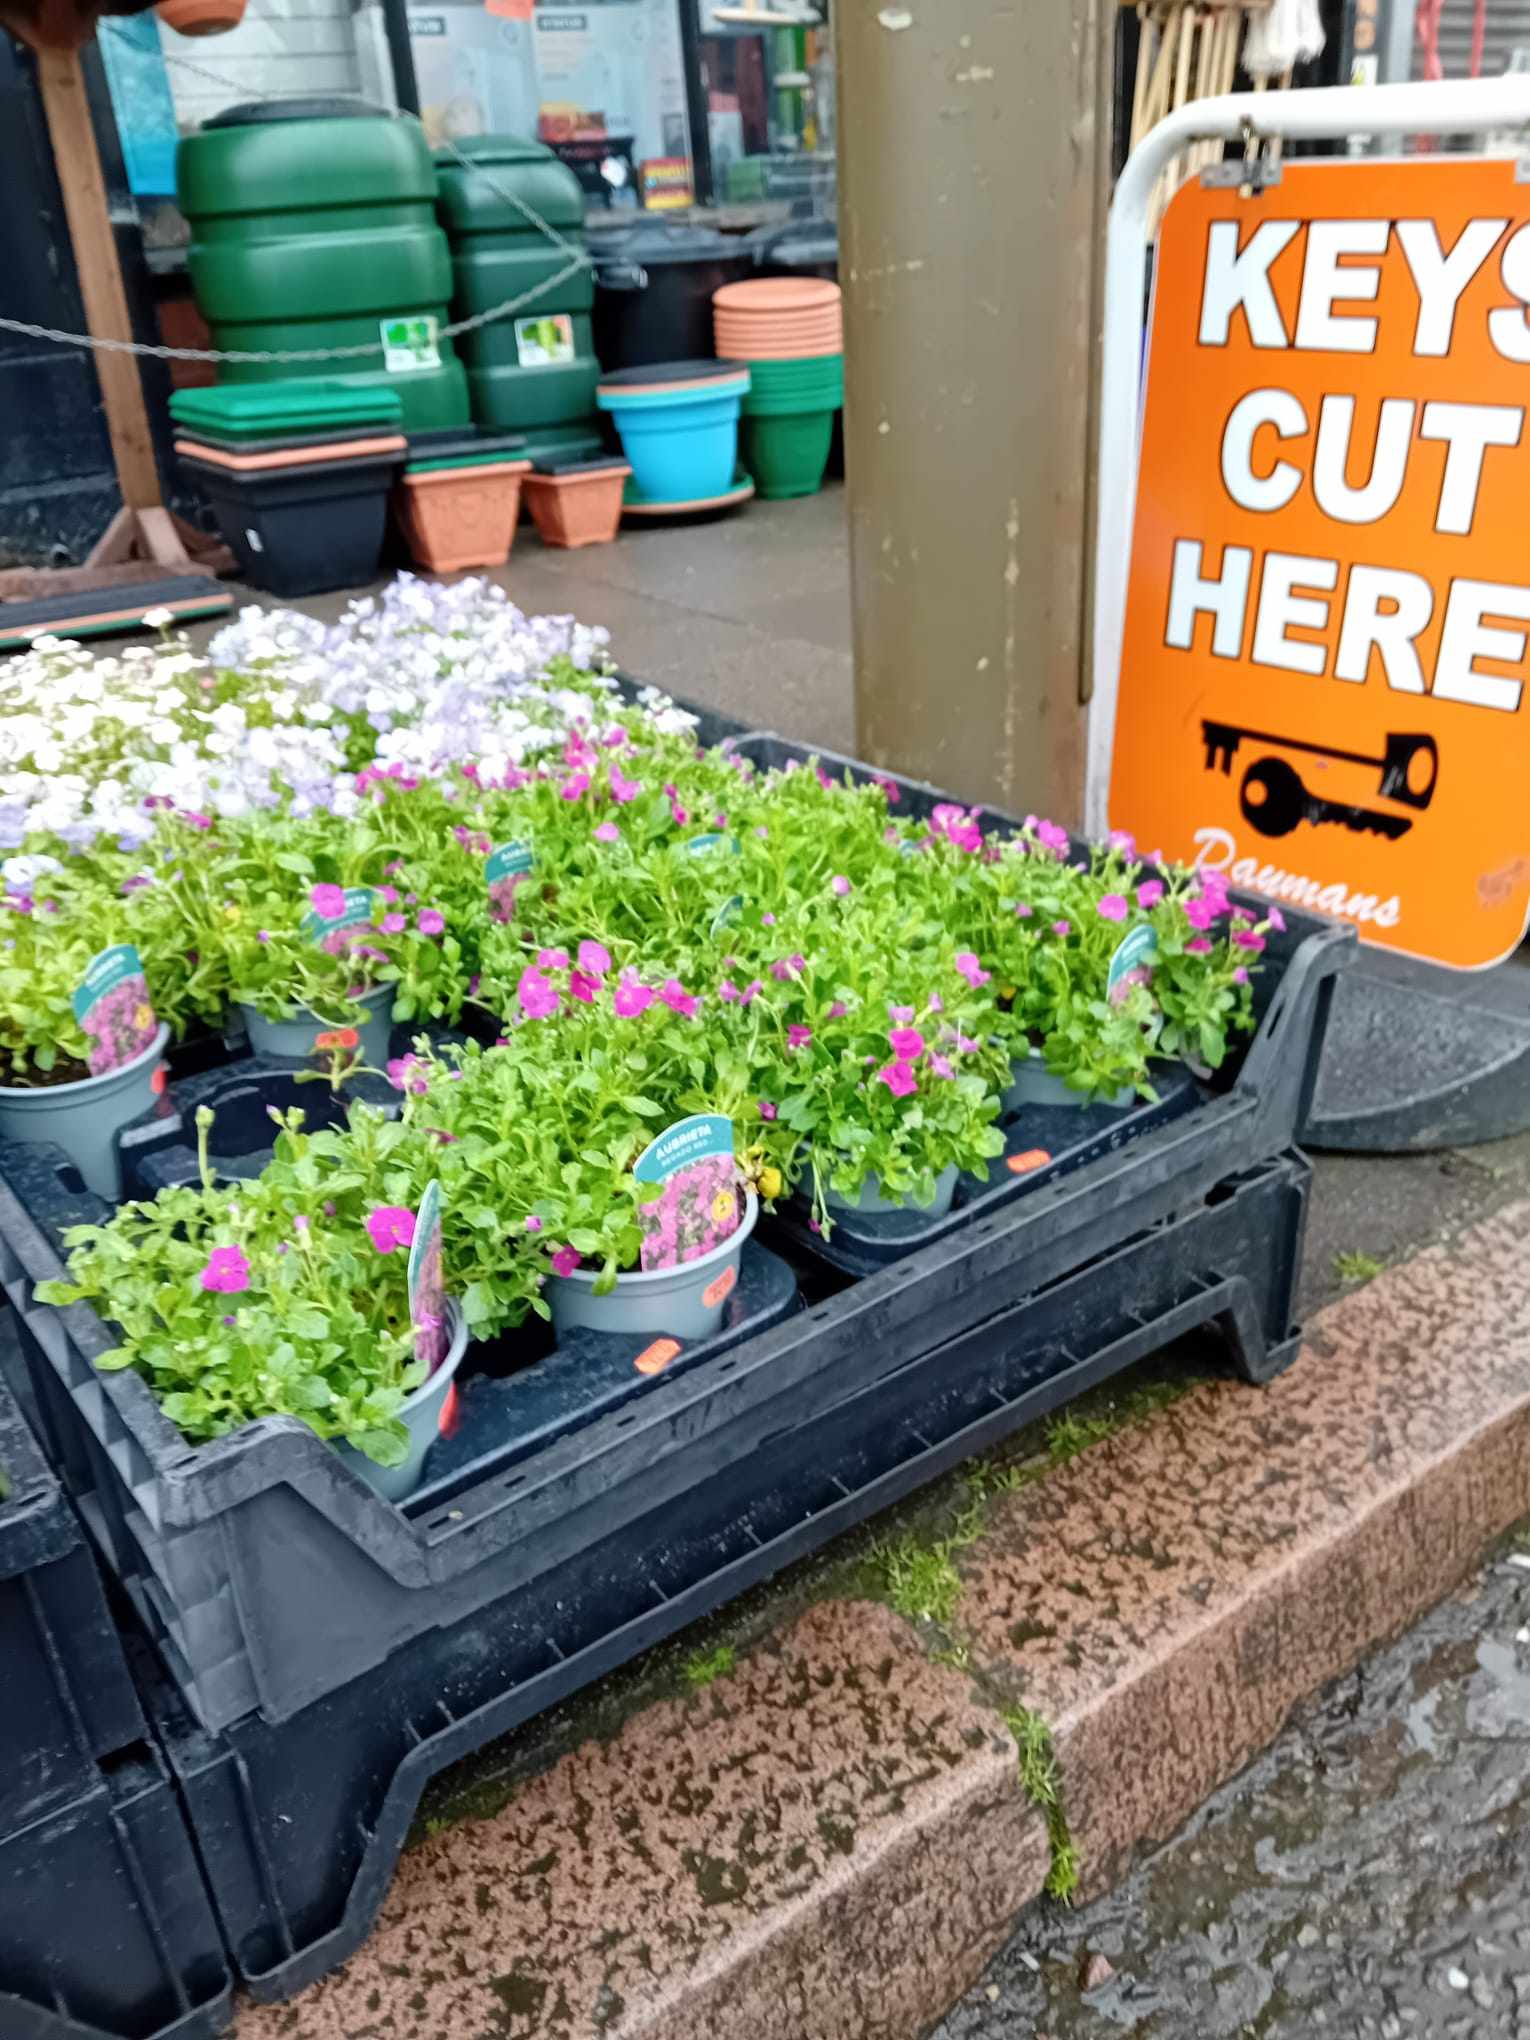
(687, 1302)
(85, 1118)
(871, 1198)
(421, 1413)
(1032, 1083)
(296, 1038)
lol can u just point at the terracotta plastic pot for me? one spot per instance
(579, 504)
(777, 294)
(461, 517)
(200, 17)
(297, 456)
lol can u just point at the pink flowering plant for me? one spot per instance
(284, 1296)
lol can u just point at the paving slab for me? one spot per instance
(1165, 1600)
(772, 1856)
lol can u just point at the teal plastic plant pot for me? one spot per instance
(872, 1199)
(687, 1302)
(422, 1412)
(296, 1038)
(1032, 1083)
(682, 446)
(85, 1118)
(787, 454)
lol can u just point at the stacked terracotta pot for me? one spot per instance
(790, 331)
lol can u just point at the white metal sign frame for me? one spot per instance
(1448, 107)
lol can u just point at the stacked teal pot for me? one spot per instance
(678, 422)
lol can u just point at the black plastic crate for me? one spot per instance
(221, 1543)
(68, 1700)
(300, 1823)
(106, 1928)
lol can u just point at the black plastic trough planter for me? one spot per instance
(300, 1823)
(302, 530)
(105, 1924)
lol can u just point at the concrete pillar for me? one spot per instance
(973, 153)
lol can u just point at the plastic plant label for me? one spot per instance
(727, 913)
(715, 839)
(332, 932)
(544, 342)
(410, 343)
(1131, 965)
(427, 1285)
(697, 1208)
(503, 871)
(656, 1357)
(112, 1005)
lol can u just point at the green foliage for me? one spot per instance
(1355, 1266)
(702, 1667)
(1039, 1776)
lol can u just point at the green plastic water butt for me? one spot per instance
(534, 372)
(318, 229)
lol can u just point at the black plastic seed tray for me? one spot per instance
(1042, 1143)
(67, 1698)
(300, 1823)
(222, 1543)
(500, 1420)
(107, 1931)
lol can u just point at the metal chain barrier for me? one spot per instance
(579, 258)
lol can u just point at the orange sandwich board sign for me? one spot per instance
(1325, 673)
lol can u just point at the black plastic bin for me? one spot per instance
(302, 530)
(653, 290)
(300, 1823)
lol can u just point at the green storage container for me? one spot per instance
(535, 371)
(315, 226)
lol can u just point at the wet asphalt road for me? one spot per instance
(1367, 1878)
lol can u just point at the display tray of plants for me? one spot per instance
(298, 1896)
(90, 1827)
(749, 1004)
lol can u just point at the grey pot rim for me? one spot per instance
(16, 1093)
(633, 1280)
(371, 998)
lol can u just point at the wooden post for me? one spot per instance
(973, 184)
(143, 522)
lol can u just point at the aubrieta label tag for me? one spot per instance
(1131, 965)
(356, 913)
(427, 1281)
(503, 871)
(698, 1207)
(111, 1003)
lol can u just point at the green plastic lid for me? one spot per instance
(464, 460)
(297, 405)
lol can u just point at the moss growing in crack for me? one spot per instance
(703, 1666)
(1038, 1774)
(1354, 1266)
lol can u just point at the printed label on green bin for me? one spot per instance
(333, 923)
(410, 343)
(111, 1003)
(542, 343)
(1131, 965)
(504, 869)
(697, 1208)
(427, 1282)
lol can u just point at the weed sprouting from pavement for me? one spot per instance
(1357, 1267)
(1038, 1774)
(703, 1666)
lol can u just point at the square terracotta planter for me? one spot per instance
(579, 502)
(458, 517)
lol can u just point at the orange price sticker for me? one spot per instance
(1024, 1164)
(451, 1414)
(655, 1358)
(722, 1286)
(158, 1081)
